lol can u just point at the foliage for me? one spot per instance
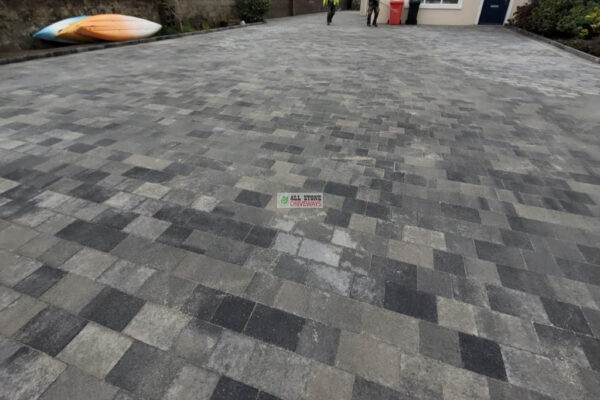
(168, 30)
(560, 18)
(590, 25)
(185, 28)
(171, 15)
(591, 46)
(582, 21)
(547, 15)
(522, 17)
(253, 10)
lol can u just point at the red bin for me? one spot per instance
(396, 7)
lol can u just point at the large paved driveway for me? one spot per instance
(457, 256)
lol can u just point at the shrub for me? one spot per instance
(591, 46)
(252, 10)
(171, 15)
(522, 17)
(582, 21)
(560, 18)
(593, 20)
(546, 15)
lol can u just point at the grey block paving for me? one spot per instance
(27, 374)
(50, 330)
(457, 256)
(197, 341)
(74, 384)
(145, 371)
(95, 350)
(72, 293)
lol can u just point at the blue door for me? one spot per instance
(493, 12)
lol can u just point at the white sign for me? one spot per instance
(299, 200)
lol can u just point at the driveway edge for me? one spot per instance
(100, 46)
(554, 43)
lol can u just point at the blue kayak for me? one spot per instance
(50, 32)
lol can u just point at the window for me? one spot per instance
(441, 3)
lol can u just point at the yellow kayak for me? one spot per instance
(111, 27)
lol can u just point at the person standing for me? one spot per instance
(331, 5)
(373, 8)
(413, 11)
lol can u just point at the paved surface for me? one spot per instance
(458, 255)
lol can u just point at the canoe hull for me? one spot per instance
(110, 27)
(51, 31)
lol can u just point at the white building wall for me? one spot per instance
(466, 14)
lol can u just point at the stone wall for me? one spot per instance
(280, 8)
(308, 6)
(19, 19)
(286, 8)
(211, 12)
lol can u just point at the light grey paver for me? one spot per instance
(95, 350)
(18, 313)
(192, 384)
(366, 357)
(72, 293)
(89, 263)
(29, 375)
(157, 326)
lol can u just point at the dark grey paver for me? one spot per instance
(50, 330)
(112, 308)
(482, 356)
(233, 313)
(39, 281)
(145, 370)
(275, 326)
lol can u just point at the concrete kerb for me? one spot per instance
(100, 46)
(554, 43)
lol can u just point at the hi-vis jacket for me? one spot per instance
(335, 2)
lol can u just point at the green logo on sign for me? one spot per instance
(284, 199)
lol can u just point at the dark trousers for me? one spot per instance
(373, 9)
(330, 12)
(413, 11)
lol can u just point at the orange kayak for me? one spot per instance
(111, 27)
